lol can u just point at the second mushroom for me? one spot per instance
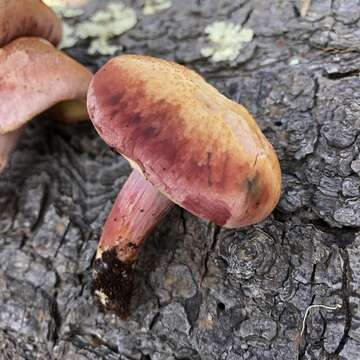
(188, 145)
(34, 75)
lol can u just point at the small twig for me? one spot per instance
(337, 306)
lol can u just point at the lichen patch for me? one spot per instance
(69, 38)
(67, 9)
(65, 3)
(151, 7)
(105, 24)
(225, 41)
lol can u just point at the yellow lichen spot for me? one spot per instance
(151, 7)
(226, 40)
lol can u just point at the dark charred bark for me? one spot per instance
(201, 292)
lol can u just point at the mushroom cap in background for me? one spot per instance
(28, 18)
(35, 76)
(202, 150)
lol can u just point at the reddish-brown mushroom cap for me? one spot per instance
(34, 77)
(202, 150)
(28, 18)
(189, 145)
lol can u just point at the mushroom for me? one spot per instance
(35, 76)
(188, 145)
(25, 91)
(28, 18)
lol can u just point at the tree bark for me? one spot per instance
(202, 292)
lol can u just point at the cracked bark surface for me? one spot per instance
(211, 293)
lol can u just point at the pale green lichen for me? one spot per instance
(114, 20)
(151, 7)
(69, 38)
(101, 46)
(64, 11)
(65, 8)
(226, 41)
(294, 61)
(65, 3)
(67, 12)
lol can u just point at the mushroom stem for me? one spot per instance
(138, 208)
(7, 145)
(69, 111)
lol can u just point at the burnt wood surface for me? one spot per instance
(202, 292)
